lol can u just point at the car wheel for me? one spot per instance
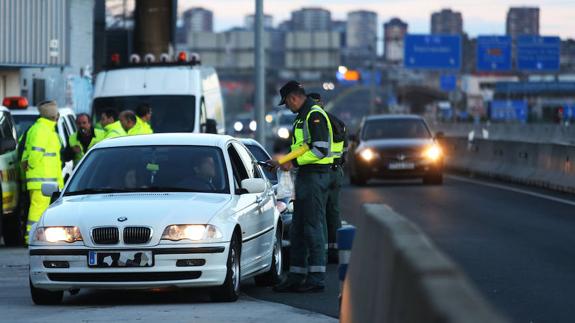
(230, 290)
(357, 179)
(45, 297)
(273, 276)
(433, 179)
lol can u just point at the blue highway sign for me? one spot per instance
(537, 53)
(493, 53)
(441, 52)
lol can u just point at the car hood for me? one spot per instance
(148, 209)
(396, 143)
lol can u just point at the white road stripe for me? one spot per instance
(512, 189)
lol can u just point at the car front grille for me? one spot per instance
(137, 235)
(124, 277)
(105, 235)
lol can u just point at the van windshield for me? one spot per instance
(170, 113)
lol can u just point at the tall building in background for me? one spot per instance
(198, 20)
(361, 38)
(340, 27)
(522, 21)
(311, 19)
(394, 33)
(447, 22)
(250, 22)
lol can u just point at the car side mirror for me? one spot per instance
(254, 185)
(439, 135)
(7, 144)
(353, 137)
(211, 126)
(48, 189)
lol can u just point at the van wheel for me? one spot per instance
(230, 290)
(273, 276)
(45, 297)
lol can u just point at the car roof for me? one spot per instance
(250, 141)
(33, 111)
(393, 117)
(167, 139)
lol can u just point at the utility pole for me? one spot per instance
(260, 72)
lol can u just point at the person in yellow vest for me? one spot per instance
(144, 118)
(130, 123)
(41, 160)
(311, 154)
(111, 124)
(85, 138)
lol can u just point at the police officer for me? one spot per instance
(310, 153)
(332, 211)
(85, 138)
(144, 117)
(111, 124)
(41, 160)
(130, 123)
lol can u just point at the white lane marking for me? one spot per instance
(512, 189)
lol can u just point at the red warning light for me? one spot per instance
(182, 57)
(115, 59)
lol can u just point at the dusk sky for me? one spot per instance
(557, 17)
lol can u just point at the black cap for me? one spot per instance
(288, 88)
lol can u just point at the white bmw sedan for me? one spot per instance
(164, 210)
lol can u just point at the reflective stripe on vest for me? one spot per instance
(301, 136)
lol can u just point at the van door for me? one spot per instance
(8, 164)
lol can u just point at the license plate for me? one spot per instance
(401, 166)
(106, 259)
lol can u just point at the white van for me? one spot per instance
(184, 96)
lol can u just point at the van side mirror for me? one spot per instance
(211, 126)
(7, 144)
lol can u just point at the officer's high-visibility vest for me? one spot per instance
(146, 129)
(301, 135)
(114, 130)
(43, 155)
(99, 135)
(337, 149)
(138, 128)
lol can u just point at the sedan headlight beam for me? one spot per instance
(194, 232)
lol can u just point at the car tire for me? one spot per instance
(433, 179)
(230, 290)
(273, 276)
(45, 297)
(357, 180)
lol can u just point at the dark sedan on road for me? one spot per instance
(395, 146)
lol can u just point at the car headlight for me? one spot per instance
(194, 232)
(253, 125)
(238, 126)
(433, 153)
(58, 234)
(283, 133)
(367, 154)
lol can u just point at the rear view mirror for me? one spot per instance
(254, 185)
(211, 126)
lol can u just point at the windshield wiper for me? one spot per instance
(88, 191)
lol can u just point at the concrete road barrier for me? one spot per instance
(547, 165)
(397, 275)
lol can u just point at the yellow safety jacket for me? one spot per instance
(114, 130)
(99, 135)
(146, 128)
(301, 135)
(43, 155)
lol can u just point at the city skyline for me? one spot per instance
(485, 18)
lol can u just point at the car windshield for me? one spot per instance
(23, 122)
(395, 129)
(261, 155)
(170, 113)
(151, 169)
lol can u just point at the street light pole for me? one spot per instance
(260, 72)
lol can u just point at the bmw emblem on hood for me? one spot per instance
(122, 219)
